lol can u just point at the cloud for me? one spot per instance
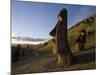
(13, 34)
(26, 40)
(16, 41)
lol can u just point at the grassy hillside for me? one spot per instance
(88, 24)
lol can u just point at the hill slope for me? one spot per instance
(88, 24)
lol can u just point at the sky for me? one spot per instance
(36, 20)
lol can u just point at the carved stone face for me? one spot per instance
(82, 33)
(59, 18)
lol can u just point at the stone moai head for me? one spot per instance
(62, 17)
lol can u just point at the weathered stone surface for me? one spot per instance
(62, 48)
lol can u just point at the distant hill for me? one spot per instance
(28, 39)
(89, 24)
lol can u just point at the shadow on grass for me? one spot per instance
(90, 48)
(84, 57)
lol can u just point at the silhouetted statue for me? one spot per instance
(22, 52)
(28, 46)
(62, 48)
(17, 52)
(81, 40)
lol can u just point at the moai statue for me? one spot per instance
(62, 48)
(81, 40)
(17, 53)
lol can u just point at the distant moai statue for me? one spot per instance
(62, 48)
(17, 53)
(81, 40)
(28, 46)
